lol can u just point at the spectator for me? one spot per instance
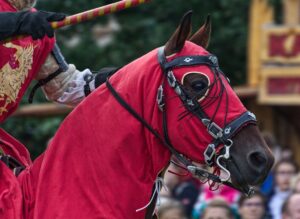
(279, 154)
(295, 183)
(171, 209)
(226, 193)
(268, 184)
(284, 170)
(217, 209)
(182, 187)
(186, 192)
(291, 207)
(253, 207)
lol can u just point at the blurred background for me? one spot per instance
(258, 46)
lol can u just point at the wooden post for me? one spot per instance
(261, 13)
(291, 12)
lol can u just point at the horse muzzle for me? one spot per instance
(253, 171)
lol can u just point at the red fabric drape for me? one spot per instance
(20, 61)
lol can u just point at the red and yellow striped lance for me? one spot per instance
(91, 14)
(97, 12)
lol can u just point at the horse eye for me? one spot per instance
(198, 86)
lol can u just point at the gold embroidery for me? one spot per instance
(11, 79)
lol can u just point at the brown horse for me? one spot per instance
(107, 154)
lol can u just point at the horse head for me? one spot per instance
(108, 152)
(212, 126)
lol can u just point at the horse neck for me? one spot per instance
(137, 83)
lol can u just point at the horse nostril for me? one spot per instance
(257, 160)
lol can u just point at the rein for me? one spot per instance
(221, 136)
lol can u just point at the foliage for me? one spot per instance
(143, 28)
(150, 25)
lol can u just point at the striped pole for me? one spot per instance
(97, 12)
(89, 15)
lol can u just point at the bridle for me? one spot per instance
(221, 136)
(214, 152)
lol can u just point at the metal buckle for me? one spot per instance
(251, 115)
(159, 98)
(88, 78)
(178, 91)
(209, 153)
(201, 174)
(205, 121)
(213, 59)
(171, 79)
(215, 130)
(190, 103)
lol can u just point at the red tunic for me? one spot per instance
(20, 61)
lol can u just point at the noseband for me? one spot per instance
(219, 148)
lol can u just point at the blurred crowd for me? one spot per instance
(277, 198)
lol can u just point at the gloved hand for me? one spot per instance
(35, 24)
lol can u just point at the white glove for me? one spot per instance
(74, 92)
(67, 87)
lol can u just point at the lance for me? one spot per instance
(91, 14)
(97, 12)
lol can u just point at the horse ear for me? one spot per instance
(177, 40)
(202, 36)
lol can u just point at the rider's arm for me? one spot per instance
(64, 83)
(61, 82)
(35, 24)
